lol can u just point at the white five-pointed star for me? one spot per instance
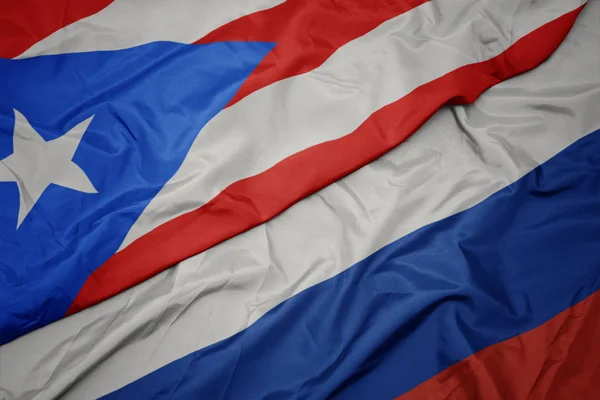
(35, 163)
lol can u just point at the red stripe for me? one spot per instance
(557, 360)
(307, 32)
(252, 201)
(23, 23)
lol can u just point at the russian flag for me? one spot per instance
(145, 149)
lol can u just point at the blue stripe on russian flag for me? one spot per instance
(418, 305)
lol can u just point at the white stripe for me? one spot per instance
(128, 23)
(333, 100)
(460, 157)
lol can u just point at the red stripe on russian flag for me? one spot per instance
(552, 361)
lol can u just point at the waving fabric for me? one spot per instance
(423, 247)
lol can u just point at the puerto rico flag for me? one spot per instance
(299, 199)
